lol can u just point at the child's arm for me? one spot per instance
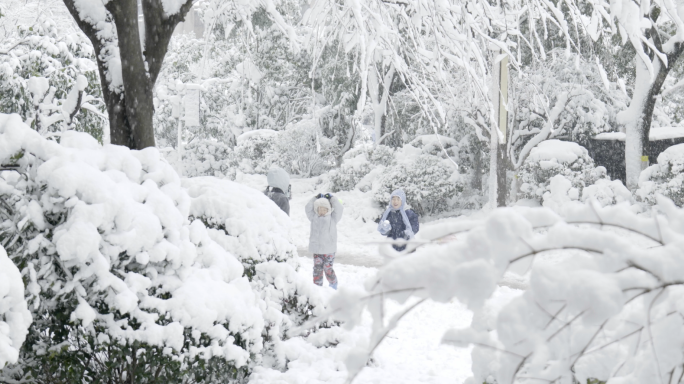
(309, 209)
(384, 227)
(286, 205)
(337, 207)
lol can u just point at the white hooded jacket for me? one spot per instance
(323, 238)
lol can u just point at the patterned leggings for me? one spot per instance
(324, 263)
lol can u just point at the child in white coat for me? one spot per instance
(324, 211)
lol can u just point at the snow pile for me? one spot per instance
(610, 308)
(111, 239)
(15, 317)
(558, 171)
(665, 178)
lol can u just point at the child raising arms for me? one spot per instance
(324, 211)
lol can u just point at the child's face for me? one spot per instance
(322, 211)
(396, 202)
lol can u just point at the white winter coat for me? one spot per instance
(323, 238)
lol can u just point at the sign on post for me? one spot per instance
(191, 104)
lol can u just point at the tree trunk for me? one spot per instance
(379, 100)
(502, 184)
(477, 168)
(139, 108)
(130, 107)
(497, 171)
(638, 117)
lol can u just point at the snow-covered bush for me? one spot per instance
(50, 79)
(436, 145)
(120, 265)
(665, 178)
(607, 192)
(15, 317)
(608, 307)
(254, 150)
(302, 150)
(349, 174)
(209, 158)
(264, 249)
(554, 157)
(429, 182)
(382, 155)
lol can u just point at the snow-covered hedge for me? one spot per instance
(607, 307)
(15, 317)
(665, 178)
(124, 263)
(254, 150)
(552, 158)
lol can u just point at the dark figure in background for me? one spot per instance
(398, 222)
(278, 188)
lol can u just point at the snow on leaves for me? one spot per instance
(130, 255)
(610, 306)
(15, 317)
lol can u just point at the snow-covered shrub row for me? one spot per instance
(254, 150)
(665, 178)
(15, 317)
(553, 158)
(609, 306)
(50, 79)
(119, 264)
(430, 181)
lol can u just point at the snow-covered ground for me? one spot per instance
(412, 353)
